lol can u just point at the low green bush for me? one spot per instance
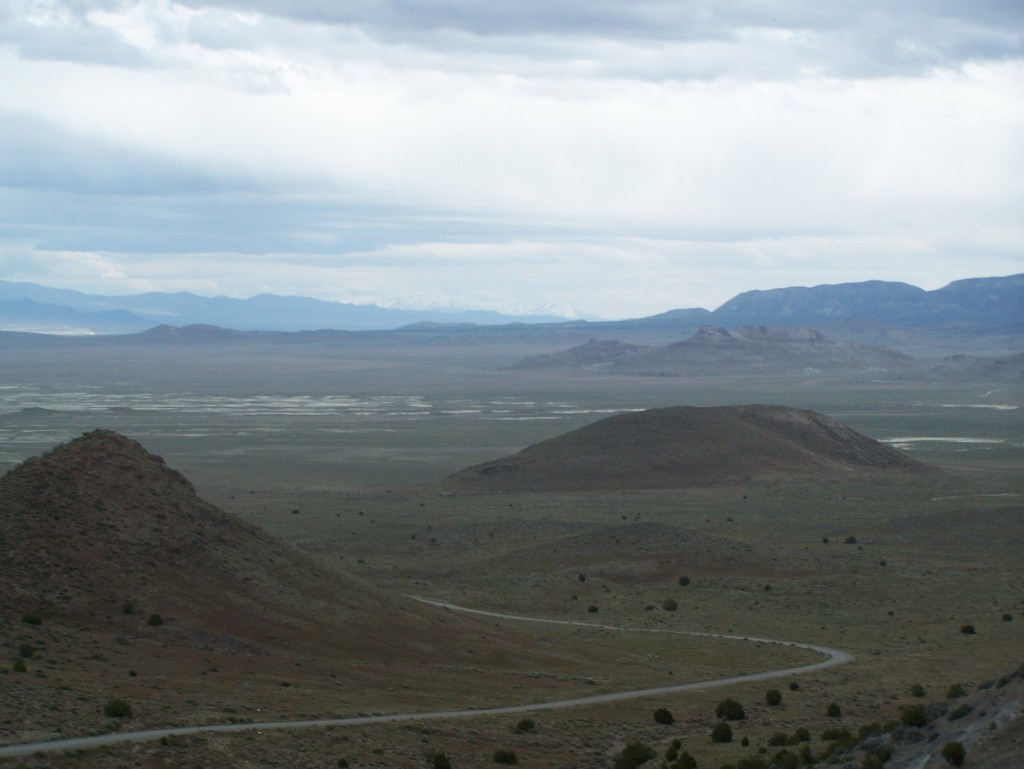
(773, 697)
(633, 755)
(684, 761)
(526, 725)
(730, 710)
(663, 716)
(954, 753)
(721, 733)
(960, 711)
(117, 708)
(913, 715)
(503, 756)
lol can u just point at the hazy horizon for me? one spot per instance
(601, 160)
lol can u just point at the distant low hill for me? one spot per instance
(716, 350)
(686, 447)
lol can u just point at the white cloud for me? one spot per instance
(560, 140)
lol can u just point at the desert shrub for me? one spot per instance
(117, 708)
(917, 690)
(806, 756)
(672, 752)
(745, 742)
(634, 754)
(824, 540)
(440, 761)
(670, 604)
(685, 761)
(954, 753)
(730, 710)
(834, 711)
(592, 609)
(31, 618)
(877, 759)
(26, 650)
(960, 711)
(793, 686)
(503, 756)
(868, 730)
(19, 666)
(954, 691)
(1007, 617)
(773, 697)
(785, 759)
(722, 732)
(778, 739)
(751, 763)
(526, 725)
(127, 608)
(155, 620)
(684, 581)
(913, 715)
(663, 716)
(342, 763)
(582, 577)
(802, 735)
(836, 735)
(967, 629)
(850, 540)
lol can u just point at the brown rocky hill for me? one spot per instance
(685, 446)
(99, 522)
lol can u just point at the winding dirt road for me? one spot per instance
(832, 657)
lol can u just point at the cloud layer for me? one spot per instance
(599, 158)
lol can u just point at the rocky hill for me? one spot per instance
(714, 350)
(116, 579)
(100, 521)
(686, 446)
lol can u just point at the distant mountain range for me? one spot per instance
(976, 305)
(34, 308)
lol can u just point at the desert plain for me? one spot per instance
(338, 452)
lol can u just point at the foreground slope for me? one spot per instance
(685, 446)
(100, 523)
(119, 580)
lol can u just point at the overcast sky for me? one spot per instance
(595, 158)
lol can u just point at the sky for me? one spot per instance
(586, 158)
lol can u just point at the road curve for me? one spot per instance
(832, 657)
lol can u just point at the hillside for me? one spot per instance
(100, 522)
(119, 580)
(683, 447)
